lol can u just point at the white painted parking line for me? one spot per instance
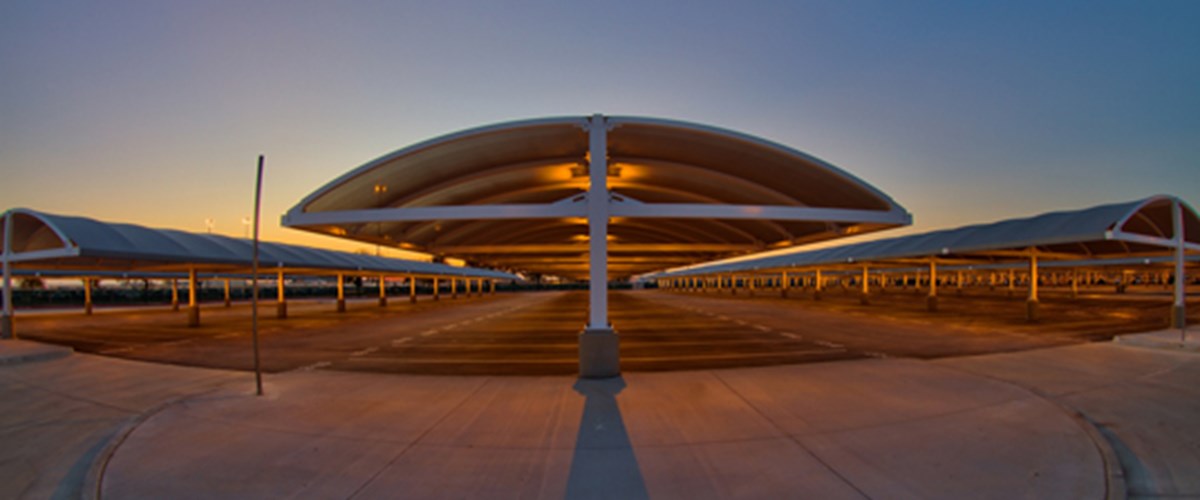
(791, 335)
(828, 344)
(401, 341)
(427, 333)
(364, 352)
(315, 366)
(762, 328)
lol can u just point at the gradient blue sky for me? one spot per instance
(154, 112)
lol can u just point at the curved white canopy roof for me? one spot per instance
(511, 195)
(1135, 229)
(46, 241)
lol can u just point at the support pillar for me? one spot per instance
(382, 291)
(174, 295)
(1075, 284)
(412, 289)
(958, 283)
(228, 297)
(1031, 303)
(281, 300)
(453, 288)
(87, 296)
(1179, 308)
(864, 297)
(783, 285)
(753, 285)
(733, 284)
(599, 344)
(341, 293)
(931, 301)
(492, 287)
(817, 285)
(437, 289)
(193, 305)
(8, 327)
(1012, 282)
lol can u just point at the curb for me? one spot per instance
(1114, 475)
(41, 353)
(93, 480)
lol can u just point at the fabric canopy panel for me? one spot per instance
(56, 242)
(1142, 228)
(513, 196)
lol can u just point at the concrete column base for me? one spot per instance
(383, 302)
(8, 327)
(87, 309)
(599, 353)
(193, 316)
(281, 310)
(412, 299)
(228, 303)
(1031, 311)
(341, 305)
(1178, 316)
(864, 299)
(931, 303)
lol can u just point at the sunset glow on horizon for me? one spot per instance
(154, 113)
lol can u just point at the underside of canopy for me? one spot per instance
(513, 196)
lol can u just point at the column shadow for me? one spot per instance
(604, 465)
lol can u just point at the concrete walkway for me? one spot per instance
(1083, 421)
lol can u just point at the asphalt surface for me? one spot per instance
(535, 333)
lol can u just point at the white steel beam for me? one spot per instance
(8, 330)
(1179, 311)
(458, 212)
(769, 212)
(598, 207)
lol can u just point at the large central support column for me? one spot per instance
(412, 288)
(7, 324)
(817, 285)
(599, 352)
(228, 299)
(784, 285)
(382, 291)
(1178, 311)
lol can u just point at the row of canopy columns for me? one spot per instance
(472, 287)
(929, 280)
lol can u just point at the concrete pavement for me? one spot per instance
(1033, 424)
